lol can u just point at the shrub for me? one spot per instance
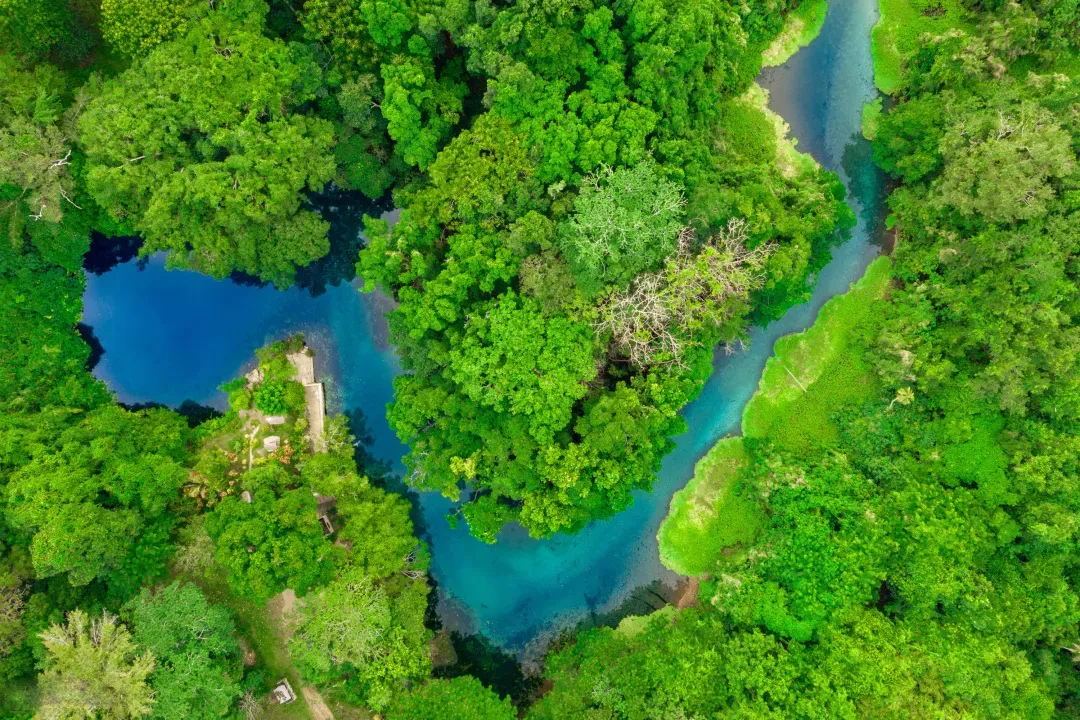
(270, 397)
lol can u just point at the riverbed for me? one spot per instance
(171, 336)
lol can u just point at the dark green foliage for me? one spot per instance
(270, 397)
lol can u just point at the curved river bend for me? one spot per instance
(175, 336)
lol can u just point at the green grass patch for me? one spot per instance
(871, 114)
(816, 371)
(897, 33)
(709, 519)
(803, 25)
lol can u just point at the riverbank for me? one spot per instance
(810, 376)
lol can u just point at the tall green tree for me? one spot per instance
(78, 481)
(358, 635)
(206, 149)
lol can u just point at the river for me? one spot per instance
(174, 336)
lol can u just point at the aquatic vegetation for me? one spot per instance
(814, 373)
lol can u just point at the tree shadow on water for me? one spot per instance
(193, 412)
(494, 667)
(106, 253)
(344, 210)
(97, 350)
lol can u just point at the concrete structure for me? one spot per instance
(315, 398)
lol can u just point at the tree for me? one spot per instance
(517, 361)
(87, 479)
(31, 27)
(198, 659)
(1002, 166)
(357, 633)
(625, 221)
(93, 670)
(462, 698)
(654, 320)
(204, 147)
(135, 27)
(272, 543)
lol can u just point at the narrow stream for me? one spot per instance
(175, 336)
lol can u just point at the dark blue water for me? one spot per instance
(174, 336)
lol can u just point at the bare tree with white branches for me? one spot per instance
(653, 321)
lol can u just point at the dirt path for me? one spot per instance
(316, 704)
(688, 593)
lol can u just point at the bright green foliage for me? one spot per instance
(272, 543)
(462, 698)
(40, 303)
(197, 657)
(368, 637)
(1002, 168)
(515, 360)
(135, 27)
(376, 526)
(419, 113)
(898, 33)
(589, 85)
(625, 221)
(270, 397)
(203, 148)
(712, 519)
(94, 670)
(914, 452)
(507, 392)
(82, 480)
(396, 85)
(814, 372)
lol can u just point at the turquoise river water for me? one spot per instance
(168, 337)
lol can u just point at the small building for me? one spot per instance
(276, 419)
(325, 507)
(283, 692)
(271, 443)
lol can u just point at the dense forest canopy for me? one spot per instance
(593, 197)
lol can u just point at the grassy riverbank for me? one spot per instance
(803, 25)
(897, 33)
(809, 376)
(816, 371)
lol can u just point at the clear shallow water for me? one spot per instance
(173, 336)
